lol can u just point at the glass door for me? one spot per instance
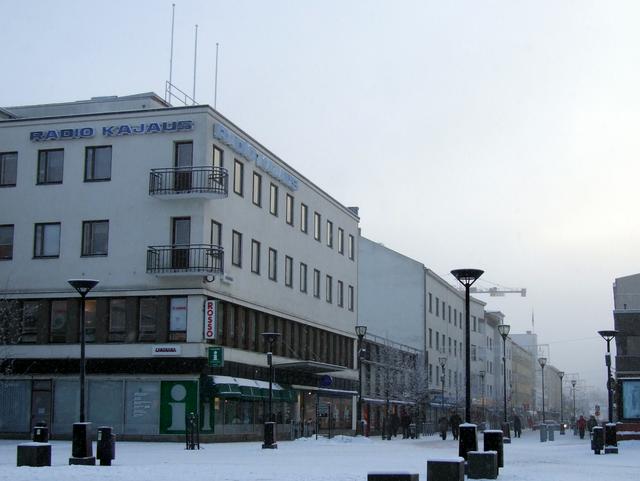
(183, 164)
(181, 238)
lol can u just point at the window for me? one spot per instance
(236, 248)
(303, 277)
(350, 298)
(47, 240)
(443, 313)
(437, 341)
(97, 163)
(256, 196)
(474, 323)
(340, 240)
(50, 166)
(328, 290)
(8, 169)
(216, 233)
(218, 159)
(304, 226)
(430, 338)
(90, 320)
(95, 238)
(455, 318)
(29, 331)
(6, 241)
(117, 316)
(147, 320)
(317, 219)
(59, 318)
(352, 252)
(430, 302)
(255, 256)
(238, 177)
(437, 307)
(473, 352)
(316, 283)
(449, 311)
(273, 264)
(273, 199)
(340, 294)
(178, 319)
(288, 271)
(289, 209)
(330, 234)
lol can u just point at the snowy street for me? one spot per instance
(339, 459)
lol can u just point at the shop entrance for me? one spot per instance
(41, 402)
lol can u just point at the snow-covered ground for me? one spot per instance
(340, 459)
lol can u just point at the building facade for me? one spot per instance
(201, 239)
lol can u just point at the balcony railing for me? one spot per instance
(189, 182)
(185, 259)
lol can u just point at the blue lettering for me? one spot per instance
(86, 132)
(169, 126)
(138, 129)
(68, 134)
(36, 136)
(52, 135)
(124, 130)
(185, 124)
(108, 131)
(153, 128)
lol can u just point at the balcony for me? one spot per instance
(189, 183)
(185, 260)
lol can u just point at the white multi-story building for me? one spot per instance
(200, 238)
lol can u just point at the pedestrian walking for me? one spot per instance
(582, 425)
(517, 426)
(455, 420)
(443, 424)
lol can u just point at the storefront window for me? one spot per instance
(15, 402)
(105, 404)
(142, 407)
(66, 406)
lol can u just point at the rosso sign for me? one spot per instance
(210, 319)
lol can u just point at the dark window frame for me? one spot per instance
(236, 248)
(3, 168)
(289, 209)
(317, 226)
(288, 271)
(89, 251)
(273, 265)
(88, 162)
(11, 245)
(304, 218)
(273, 199)
(255, 256)
(316, 283)
(43, 157)
(43, 225)
(238, 184)
(256, 194)
(303, 277)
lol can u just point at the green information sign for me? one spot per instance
(216, 356)
(177, 399)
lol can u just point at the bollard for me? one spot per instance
(446, 470)
(40, 434)
(550, 432)
(597, 439)
(543, 433)
(81, 446)
(610, 440)
(494, 441)
(392, 476)
(270, 436)
(506, 433)
(106, 446)
(468, 439)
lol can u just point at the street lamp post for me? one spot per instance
(543, 428)
(575, 426)
(561, 375)
(468, 437)
(269, 425)
(443, 363)
(82, 450)
(610, 429)
(504, 329)
(482, 373)
(361, 331)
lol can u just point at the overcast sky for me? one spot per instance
(500, 135)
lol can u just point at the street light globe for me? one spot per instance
(561, 374)
(504, 329)
(573, 382)
(361, 331)
(442, 361)
(608, 334)
(542, 361)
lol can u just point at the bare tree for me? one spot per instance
(11, 329)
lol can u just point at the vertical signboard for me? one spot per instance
(177, 399)
(216, 356)
(210, 319)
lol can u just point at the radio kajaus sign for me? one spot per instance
(112, 130)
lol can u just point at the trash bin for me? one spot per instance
(597, 439)
(106, 446)
(40, 433)
(412, 430)
(543, 433)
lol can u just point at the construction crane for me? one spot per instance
(497, 292)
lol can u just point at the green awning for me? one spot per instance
(254, 393)
(284, 395)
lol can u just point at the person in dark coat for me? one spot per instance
(443, 424)
(395, 424)
(517, 426)
(455, 420)
(582, 425)
(405, 421)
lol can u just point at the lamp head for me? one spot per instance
(361, 331)
(467, 277)
(482, 373)
(542, 361)
(83, 286)
(573, 382)
(608, 334)
(561, 374)
(442, 361)
(504, 329)
(270, 337)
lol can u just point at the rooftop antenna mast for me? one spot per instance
(168, 91)
(195, 58)
(215, 85)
